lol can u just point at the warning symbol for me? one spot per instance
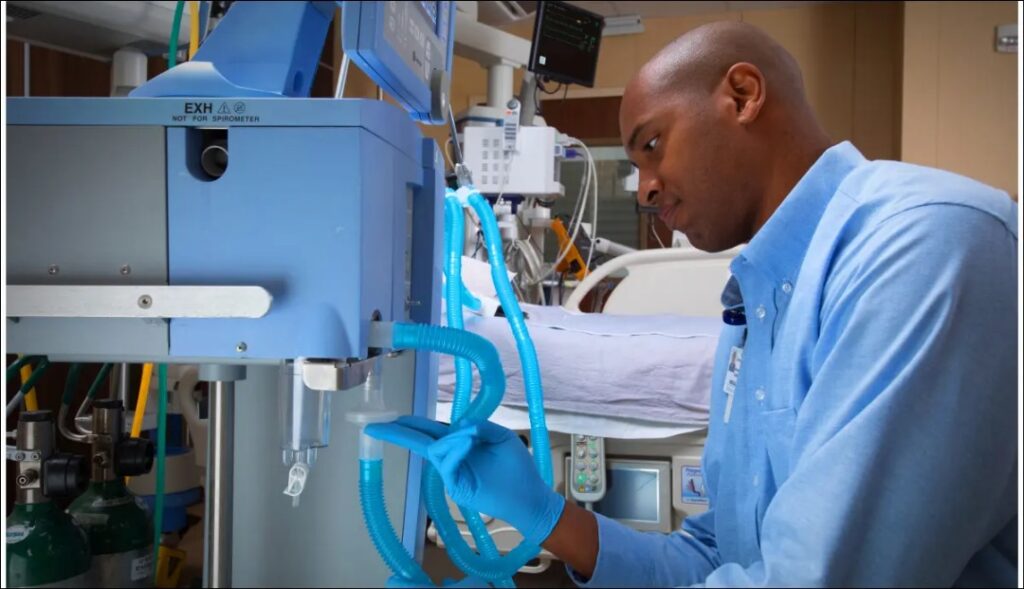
(223, 110)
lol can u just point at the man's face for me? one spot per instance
(691, 165)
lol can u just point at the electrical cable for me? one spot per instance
(597, 193)
(557, 89)
(654, 230)
(447, 154)
(579, 211)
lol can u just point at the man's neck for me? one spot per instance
(792, 164)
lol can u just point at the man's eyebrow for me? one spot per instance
(631, 145)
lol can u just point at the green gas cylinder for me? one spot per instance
(45, 547)
(120, 534)
(119, 526)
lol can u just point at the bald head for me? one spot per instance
(720, 129)
(698, 61)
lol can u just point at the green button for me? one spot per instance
(580, 479)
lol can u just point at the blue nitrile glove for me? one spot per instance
(396, 582)
(485, 468)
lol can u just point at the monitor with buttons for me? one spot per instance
(638, 493)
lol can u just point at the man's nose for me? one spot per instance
(649, 188)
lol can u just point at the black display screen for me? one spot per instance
(566, 40)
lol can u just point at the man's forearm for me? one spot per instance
(574, 539)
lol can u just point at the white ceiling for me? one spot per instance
(505, 12)
(663, 9)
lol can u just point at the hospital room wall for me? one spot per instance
(850, 53)
(963, 112)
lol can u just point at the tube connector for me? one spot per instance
(372, 409)
(370, 448)
(297, 475)
(463, 194)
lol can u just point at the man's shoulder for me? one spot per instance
(881, 191)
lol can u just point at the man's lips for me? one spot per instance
(667, 212)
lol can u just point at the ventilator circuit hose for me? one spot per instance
(466, 347)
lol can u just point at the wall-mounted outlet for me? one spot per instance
(1006, 38)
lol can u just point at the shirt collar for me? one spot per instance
(778, 248)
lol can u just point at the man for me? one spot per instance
(865, 432)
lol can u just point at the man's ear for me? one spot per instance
(745, 86)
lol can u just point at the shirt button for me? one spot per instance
(787, 287)
(759, 394)
(757, 480)
(761, 313)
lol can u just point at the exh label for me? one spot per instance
(224, 112)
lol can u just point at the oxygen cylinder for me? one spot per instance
(118, 525)
(45, 547)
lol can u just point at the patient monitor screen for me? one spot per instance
(566, 40)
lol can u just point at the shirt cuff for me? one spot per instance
(616, 564)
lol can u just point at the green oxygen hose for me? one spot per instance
(14, 368)
(161, 457)
(172, 49)
(36, 375)
(71, 384)
(100, 377)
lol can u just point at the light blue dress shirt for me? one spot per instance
(872, 437)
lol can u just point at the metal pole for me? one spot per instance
(339, 90)
(220, 483)
(122, 384)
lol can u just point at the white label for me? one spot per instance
(124, 500)
(732, 375)
(91, 519)
(142, 567)
(17, 533)
(693, 486)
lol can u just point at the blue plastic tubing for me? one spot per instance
(466, 347)
(455, 289)
(527, 352)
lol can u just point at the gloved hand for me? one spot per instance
(485, 468)
(396, 582)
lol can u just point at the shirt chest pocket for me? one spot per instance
(779, 425)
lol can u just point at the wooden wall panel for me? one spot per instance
(15, 68)
(55, 73)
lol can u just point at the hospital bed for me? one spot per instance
(637, 375)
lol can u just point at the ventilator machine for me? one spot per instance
(293, 249)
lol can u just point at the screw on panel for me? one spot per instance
(53, 269)
(145, 301)
(241, 347)
(126, 270)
